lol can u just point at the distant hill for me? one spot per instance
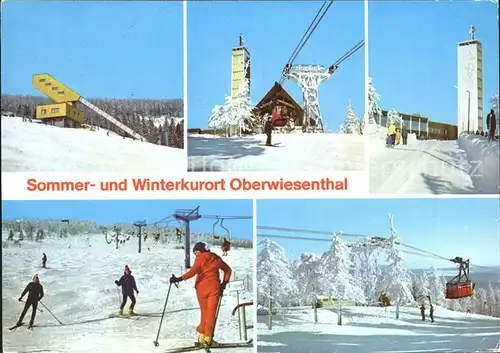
(57, 228)
(149, 118)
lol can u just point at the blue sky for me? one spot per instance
(447, 227)
(100, 49)
(272, 30)
(413, 53)
(105, 212)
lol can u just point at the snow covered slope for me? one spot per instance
(80, 291)
(376, 330)
(294, 152)
(37, 147)
(431, 167)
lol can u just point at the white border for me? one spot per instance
(185, 78)
(367, 74)
(254, 318)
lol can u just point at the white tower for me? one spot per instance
(470, 84)
(309, 77)
(240, 69)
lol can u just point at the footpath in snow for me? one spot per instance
(293, 152)
(32, 147)
(467, 166)
(80, 291)
(375, 330)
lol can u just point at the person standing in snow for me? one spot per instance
(209, 289)
(268, 130)
(404, 135)
(422, 312)
(35, 294)
(431, 313)
(391, 134)
(127, 282)
(44, 260)
(491, 123)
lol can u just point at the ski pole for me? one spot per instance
(51, 313)
(40, 310)
(155, 342)
(118, 293)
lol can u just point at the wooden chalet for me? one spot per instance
(280, 105)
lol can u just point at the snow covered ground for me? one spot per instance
(80, 291)
(376, 330)
(30, 147)
(294, 152)
(435, 167)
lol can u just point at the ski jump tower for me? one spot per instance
(309, 77)
(65, 109)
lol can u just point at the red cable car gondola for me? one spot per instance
(460, 286)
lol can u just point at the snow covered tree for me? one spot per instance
(437, 286)
(337, 278)
(274, 275)
(424, 290)
(217, 119)
(396, 282)
(367, 270)
(480, 300)
(491, 300)
(374, 111)
(351, 124)
(308, 278)
(241, 115)
(393, 117)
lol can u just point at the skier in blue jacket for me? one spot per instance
(127, 282)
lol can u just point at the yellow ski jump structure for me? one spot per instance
(64, 112)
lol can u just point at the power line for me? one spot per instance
(293, 230)
(422, 252)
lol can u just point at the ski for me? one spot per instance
(16, 326)
(197, 347)
(115, 316)
(275, 145)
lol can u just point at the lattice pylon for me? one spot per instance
(309, 77)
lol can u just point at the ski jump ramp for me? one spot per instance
(60, 93)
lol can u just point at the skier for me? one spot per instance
(11, 235)
(226, 246)
(179, 234)
(209, 289)
(127, 281)
(44, 260)
(491, 123)
(35, 294)
(422, 312)
(268, 130)
(145, 236)
(431, 313)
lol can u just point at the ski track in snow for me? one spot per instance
(295, 152)
(427, 167)
(32, 147)
(375, 330)
(80, 291)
